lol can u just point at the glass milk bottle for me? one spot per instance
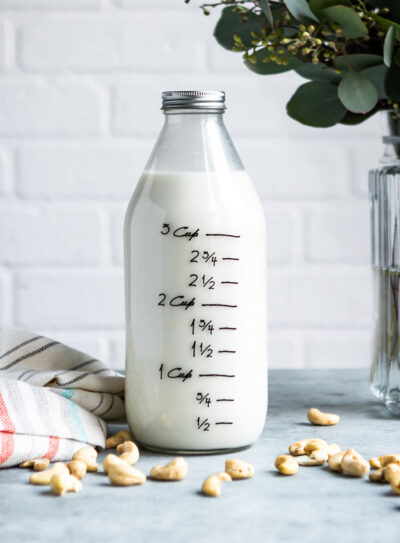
(195, 274)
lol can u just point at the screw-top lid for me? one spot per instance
(193, 100)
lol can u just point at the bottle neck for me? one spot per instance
(195, 121)
(390, 122)
(391, 151)
(194, 141)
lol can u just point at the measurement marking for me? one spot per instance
(233, 352)
(229, 258)
(224, 235)
(229, 282)
(225, 400)
(224, 423)
(226, 328)
(218, 305)
(215, 375)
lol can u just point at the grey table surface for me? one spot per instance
(314, 505)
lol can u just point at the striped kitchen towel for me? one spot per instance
(53, 399)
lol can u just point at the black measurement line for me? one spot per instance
(226, 328)
(225, 400)
(218, 305)
(225, 351)
(229, 282)
(224, 423)
(229, 258)
(215, 375)
(224, 235)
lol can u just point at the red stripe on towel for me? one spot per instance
(7, 446)
(6, 438)
(54, 443)
(8, 425)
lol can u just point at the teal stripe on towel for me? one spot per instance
(68, 393)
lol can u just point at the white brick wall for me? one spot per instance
(47, 234)
(50, 4)
(65, 300)
(79, 111)
(81, 169)
(47, 108)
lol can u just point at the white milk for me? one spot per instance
(196, 369)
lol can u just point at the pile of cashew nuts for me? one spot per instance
(120, 471)
(317, 452)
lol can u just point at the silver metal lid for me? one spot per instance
(193, 100)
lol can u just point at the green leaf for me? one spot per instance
(271, 67)
(318, 5)
(317, 72)
(316, 104)
(357, 93)
(231, 23)
(377, 75)
(352, 119)
(301, 10)
(389, 45)
(348, 20)
(266, 9)
(392, 82)
(358, 62)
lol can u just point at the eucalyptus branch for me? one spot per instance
(331, 44)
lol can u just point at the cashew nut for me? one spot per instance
(319, 456)
(384, 460)
(44, 477)
(212, 485)
(387, 459)
(110, 460)
(286, 464)
(395, 483)
(386, 474)
(297, 448)
(118, 438)
(87, 455)
(41, 464)
(123, 474)
(375, 463)
(378, 476)
(239, 469)
(38, 464)
(316, 458)
(129, 452)
(315, 445)
(353, 464)
(335, 461)
(390, 472)
(315, 416)
(176, 470)
(77, 468)
(64, 482)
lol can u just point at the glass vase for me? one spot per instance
(384, 192)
